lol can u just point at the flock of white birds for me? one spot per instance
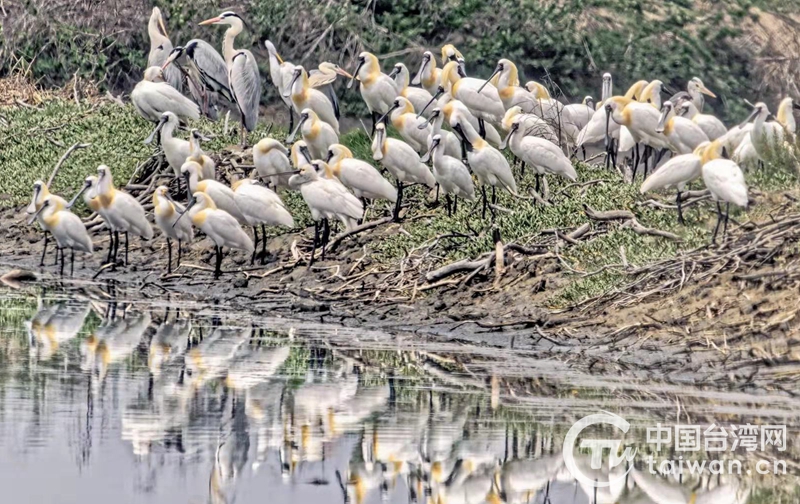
(458, 124)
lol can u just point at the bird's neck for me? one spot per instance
(227, 43)
(154, 32)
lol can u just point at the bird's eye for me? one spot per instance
(161, 47)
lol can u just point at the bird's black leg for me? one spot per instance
(648, 152)
(314, 246)
(218, 267)
(326, 234)
(72, 262)
(680, 212)
(291, 118)
(538, 182)
(116, 247)
(494, 196)
(449, 205)
(62, 261)
(126, 248)
(399, 201)
(483, 196)
(179, 255)
(636, 160)
(437, 193)
(44, 250)
(727, 216)
(255, 245)
(455, 204)
(169, 255)
(375, 117)
(263, 243)
(716, 228)
(482, 128)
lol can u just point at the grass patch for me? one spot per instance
(33, 140)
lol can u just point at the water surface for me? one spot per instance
(106, 397)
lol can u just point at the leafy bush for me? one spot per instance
(570, 42)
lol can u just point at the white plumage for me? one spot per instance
(152, 97)
(325, 198)
(272, 163)
(725, 180)
(220, 194)
(451, 174)
(361, 177)
(260, 205)
(544, 156)
(400, 159)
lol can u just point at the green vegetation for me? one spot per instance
(34, 140)
(565, 44)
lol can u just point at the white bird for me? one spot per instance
(532, 124)
(160, 48)
(544, 156)
(641, 119)
(576, 116)
(452, 145)
(281, 73)
(406, 123)
(243, 75)
(167, 212)
(260, 206)
(505, 78)
(326, 199)
(480, 97)
(428, 76)
(206, 71)
(377, 89)
(217, 224)
(121, 210)
(317, 135)
(152, 97)
(594, 132)
(682, 134)
(66, 227)
(488, 164)
(176, 150)
(677, 172)
(652, 94)
(711, 126)
(196, 154)
(451, 174)
(300, 155)
(272, 162)
(418, 97)
(725, 180)
(304, 96)
(695, 89)
(361, 177)
(40, 192)
(765, 135)
(323, 77)
(220, 194)
(402, 161)
(448, 105)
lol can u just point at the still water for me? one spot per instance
(105, 398)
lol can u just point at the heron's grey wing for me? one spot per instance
(246, 87)
(211, 67)
(331, 94)
(681, 95)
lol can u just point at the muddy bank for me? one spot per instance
(714, 313)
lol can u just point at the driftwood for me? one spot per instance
(358, 229)
(61, 161)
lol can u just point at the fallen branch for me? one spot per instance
(61, 161)
(358, 229)
(462, 265)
